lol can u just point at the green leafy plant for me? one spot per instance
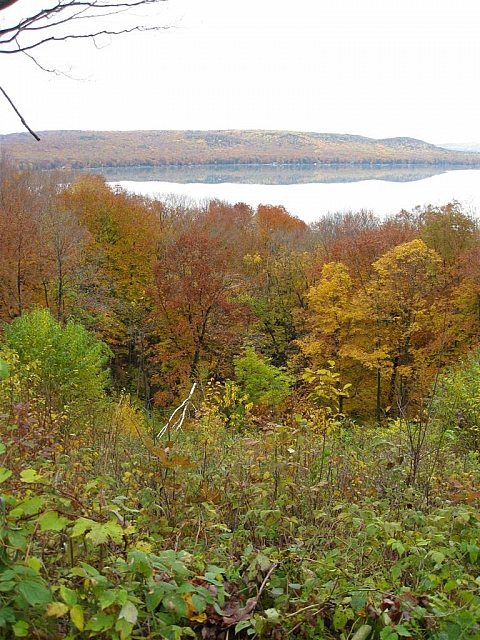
(457, 404)
(61, 365)
(264, 384)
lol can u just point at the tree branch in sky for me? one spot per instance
(18, 113)
(66, 20)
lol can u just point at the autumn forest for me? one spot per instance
(221, 422)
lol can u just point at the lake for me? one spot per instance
(310, 191)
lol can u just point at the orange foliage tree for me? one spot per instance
(117, 271)
(20, 271)
(199, 310)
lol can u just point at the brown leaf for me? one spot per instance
(241, 613)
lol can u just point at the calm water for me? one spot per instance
(309, 192)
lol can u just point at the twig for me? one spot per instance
(266, 579)
(246, 612)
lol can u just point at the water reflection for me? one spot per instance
(309, 192)
(273, 174)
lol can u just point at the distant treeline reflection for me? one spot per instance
(272, 174)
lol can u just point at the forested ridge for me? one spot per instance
(81, 149)
(221, 422)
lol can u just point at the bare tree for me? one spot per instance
(65, 20)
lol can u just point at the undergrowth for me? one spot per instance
(308, 528)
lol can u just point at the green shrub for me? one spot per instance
(457, 405)
(265, 384)
(61, 365)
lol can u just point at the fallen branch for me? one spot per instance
(178, 424)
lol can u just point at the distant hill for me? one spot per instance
(462, 146)
(81, 149)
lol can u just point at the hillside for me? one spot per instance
(80, 149)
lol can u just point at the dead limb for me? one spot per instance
(178, 424)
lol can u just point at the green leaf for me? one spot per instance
(4, 474)
(34, 592)
(450, 585)
(398, 547)
(454, 632)
(77, 617)
(400, 630)
(139, 562)
(50, 521)
(20, 629)
(30, 476)
(154, 597)
(242, 625)
(273, 615)
(213, 568)
(129, 612)
(80, 526)
(358, 602)
(340, 619)
(396, 571)
(437, 556)
(199, 603)
(99, 622)
(97, 535)
(68, 596)
(28, 507)
(175, 604)
(363, 633)
(184, 588)
(17, 539)
(9, 574)
(100, 533)
(7, 614)
(35, 564)
(4, 371)
(124, 627)
(107, 598)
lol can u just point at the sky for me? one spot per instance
(377, 68)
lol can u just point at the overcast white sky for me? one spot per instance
(377, 68)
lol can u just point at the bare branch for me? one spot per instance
(63, 21)
(23, 35)
(178, 424)
(20, 115)
(89, 36)
(56, 72)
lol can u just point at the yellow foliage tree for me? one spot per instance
(401, 300)
(334, 320)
